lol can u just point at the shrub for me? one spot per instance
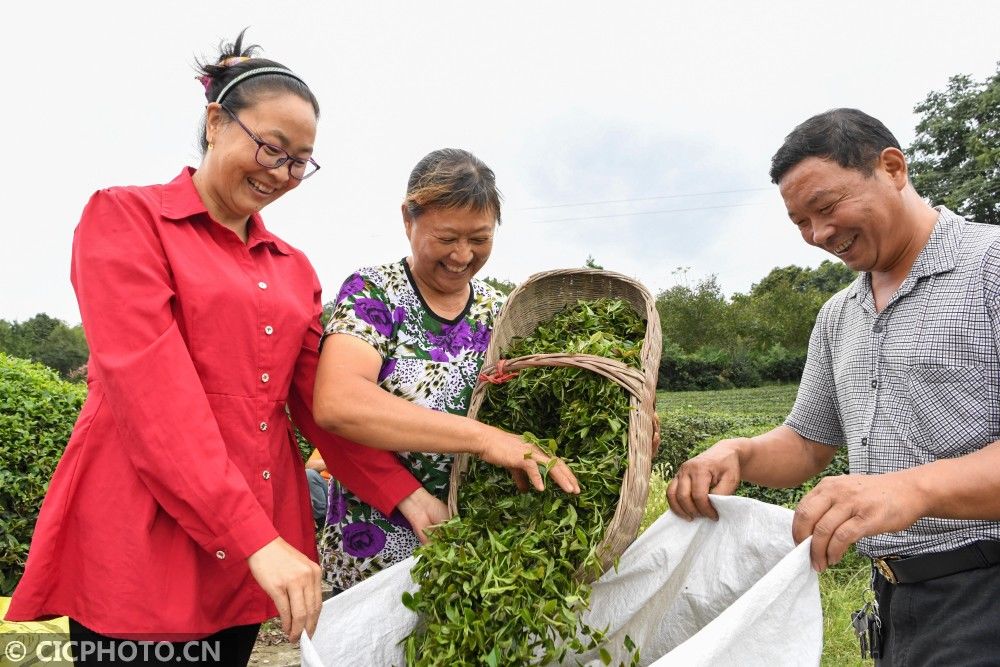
(680, 370)
(37, 413)
(687, 432)
(726, 368)
(780, 364)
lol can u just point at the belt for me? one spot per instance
(913, 569)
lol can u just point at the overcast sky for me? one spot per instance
(675, 107)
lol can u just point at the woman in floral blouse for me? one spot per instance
(412, 335)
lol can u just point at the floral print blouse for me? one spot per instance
(427, 360)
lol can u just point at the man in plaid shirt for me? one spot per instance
(903, 368)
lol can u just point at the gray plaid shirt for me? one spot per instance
(919, 381)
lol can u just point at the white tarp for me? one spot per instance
(733, 592)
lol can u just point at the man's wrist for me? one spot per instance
(919, 488)
(738, 447)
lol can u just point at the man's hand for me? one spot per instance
(292, 581)
(716, 470)
(423, 510)
(843, 509)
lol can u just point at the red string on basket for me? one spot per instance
(498, 376)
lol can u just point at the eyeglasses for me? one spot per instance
(270, 156)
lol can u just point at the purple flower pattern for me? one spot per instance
(453, 337)
(481, 338)
(360, 541)
(397, 519)
(336, 505)
(375, 313)
(363, 539)
(352, 285)
(387, 368)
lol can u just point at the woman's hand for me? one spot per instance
(522, 460)
(423, 510)
(292, 581)
(656, 434)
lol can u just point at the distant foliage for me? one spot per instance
(955, 158)
(500, 285)
(686, 430)
(711, 342)
(37, 413)
(49, 341)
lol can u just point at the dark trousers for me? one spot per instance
(229, 647)
(953, 620)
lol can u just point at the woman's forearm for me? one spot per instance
(360, 410)
(348, 401)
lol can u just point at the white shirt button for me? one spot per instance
(263, 426)
(262, 285)
(269, 330)
(220, 554)
(266, 474)
(265, 377)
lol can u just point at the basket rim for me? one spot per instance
(622, 529)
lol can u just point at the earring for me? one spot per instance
(210, 146)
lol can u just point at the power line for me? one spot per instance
(666, 210)
(938, 173)
(625, 201)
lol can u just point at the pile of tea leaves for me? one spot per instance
(499, 583)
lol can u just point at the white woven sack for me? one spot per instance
(733, 592)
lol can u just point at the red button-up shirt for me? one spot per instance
(183, 461)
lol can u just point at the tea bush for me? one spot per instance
(686, 431)
(37, 413)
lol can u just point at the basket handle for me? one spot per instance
(626, 377)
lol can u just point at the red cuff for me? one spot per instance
(244, 539)
(395, 488)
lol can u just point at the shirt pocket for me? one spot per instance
(950, 415)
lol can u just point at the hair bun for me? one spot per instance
(232, 60)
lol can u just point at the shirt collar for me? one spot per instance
(180, 201)
(180, 198)
(937, 255)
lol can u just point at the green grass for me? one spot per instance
(773, 401)
(695, 419)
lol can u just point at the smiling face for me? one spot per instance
(848, 213)
(232, 183)
(448, 247)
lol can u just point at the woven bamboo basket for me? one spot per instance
(536, 301)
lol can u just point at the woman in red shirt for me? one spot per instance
(179, 509)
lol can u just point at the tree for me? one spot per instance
(500, 285)
(693, 317)
(829, 278)
(955, 158)
(64, 349)
(782, 307)
(45, 339)
(591, 263)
